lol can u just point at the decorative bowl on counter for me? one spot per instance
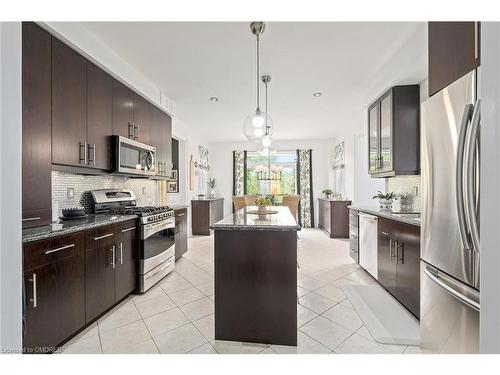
(73, 212)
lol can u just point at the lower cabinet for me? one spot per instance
(399, 262)
(181, 231)
(204, 213)
(54, 291)
(334, 217)
(71, 280)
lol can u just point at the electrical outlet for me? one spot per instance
(70, 193)
(143, 190)
(416, 191)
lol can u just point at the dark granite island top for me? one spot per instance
(242, 220)
(70, 226)
(256, 277)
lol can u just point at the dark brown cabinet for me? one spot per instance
(69, 108)
(111, 255)
(394, 132)
(161, 138)
(36, 117)
(54, 289)
(334, 217)
(142, 119)
(181, 240)
(204, 213)
(99, 118)
(399, 262)
(454, 50)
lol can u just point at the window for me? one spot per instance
(280, 161)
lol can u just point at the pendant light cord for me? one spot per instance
(258, 73)
(267, 123)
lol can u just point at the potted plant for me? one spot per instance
(328, 193)
(211, 185)
(385, 200)
(262, 203)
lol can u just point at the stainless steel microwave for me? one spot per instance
(134, 158)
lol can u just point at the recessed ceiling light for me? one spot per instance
(317, 94)
(214, 99)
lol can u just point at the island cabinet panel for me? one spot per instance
(36, 118)
(127, 261)
(453, 51)
(256, 286)
(334, 217)
(204, 213)
(123, 110)
(99, 118)
(100, 272)
(69, 130)
(399, 262)
(181, 232)
(54, 287)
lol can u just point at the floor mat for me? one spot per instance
(386, 319)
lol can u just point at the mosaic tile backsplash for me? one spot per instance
(145, 190)
(404, 186)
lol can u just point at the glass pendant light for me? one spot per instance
(254, 126)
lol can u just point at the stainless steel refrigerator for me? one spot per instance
(449, 278)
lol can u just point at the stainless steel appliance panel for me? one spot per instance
(444, 236)
(133, 157)
(449, 313)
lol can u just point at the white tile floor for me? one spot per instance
(177, 315)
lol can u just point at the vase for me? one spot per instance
(385, 203)
(262, 208)
(212, 194)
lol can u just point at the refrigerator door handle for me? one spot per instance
(459, 177)
(449, 285)
(471, 178)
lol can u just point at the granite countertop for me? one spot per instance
(408, 217)
(178, 206)
(206, 199)
(241, 220)
(70, 226)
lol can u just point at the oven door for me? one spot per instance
(157, 245)
(134, 157)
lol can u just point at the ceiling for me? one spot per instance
(350, 63)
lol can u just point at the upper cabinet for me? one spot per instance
(454, 50)
(394, 133)
(161, 138)
(36, 117)
(69, 109)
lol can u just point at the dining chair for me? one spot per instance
(292, 202)
(239, 202)
(250, 199)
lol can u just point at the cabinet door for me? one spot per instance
(100, 271)
(99, 117)
(373, 138)
(142, 119)
(157, 134)
(167, 143)
(386, 256)
(126, 272)
(454, 51)
(55, 291)
(69, 127)
(386, 150)
(408, 269)
(36, 146)
(181, 240)
(123, 110)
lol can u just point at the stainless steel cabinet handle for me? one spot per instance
(31, 218)
(113, 256)
(446, 283)
(470, 176)
(136, 131)
(34, 299)
(402, 247)
(459, 177)
(179, 215)
(103, 236)
(128, 229)
(92, 146)
(130, 133)
(476, 40)
(395, 253)
(83, 153)
(59, 249)
(121, 253)
(390, 249)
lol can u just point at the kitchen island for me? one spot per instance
(256, 277)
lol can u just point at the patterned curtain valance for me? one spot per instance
(239, 172)
(304, 188)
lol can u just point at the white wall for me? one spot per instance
(10, 187)
(490, 185)
(221, 161)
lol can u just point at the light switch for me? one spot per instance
(70, 193)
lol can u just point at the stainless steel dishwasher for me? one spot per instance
(368, 243)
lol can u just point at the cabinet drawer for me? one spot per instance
(41, 253)
(126, 226)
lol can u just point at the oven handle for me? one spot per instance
(161, 270)
(150, 229)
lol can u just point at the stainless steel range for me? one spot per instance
(157, 245)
